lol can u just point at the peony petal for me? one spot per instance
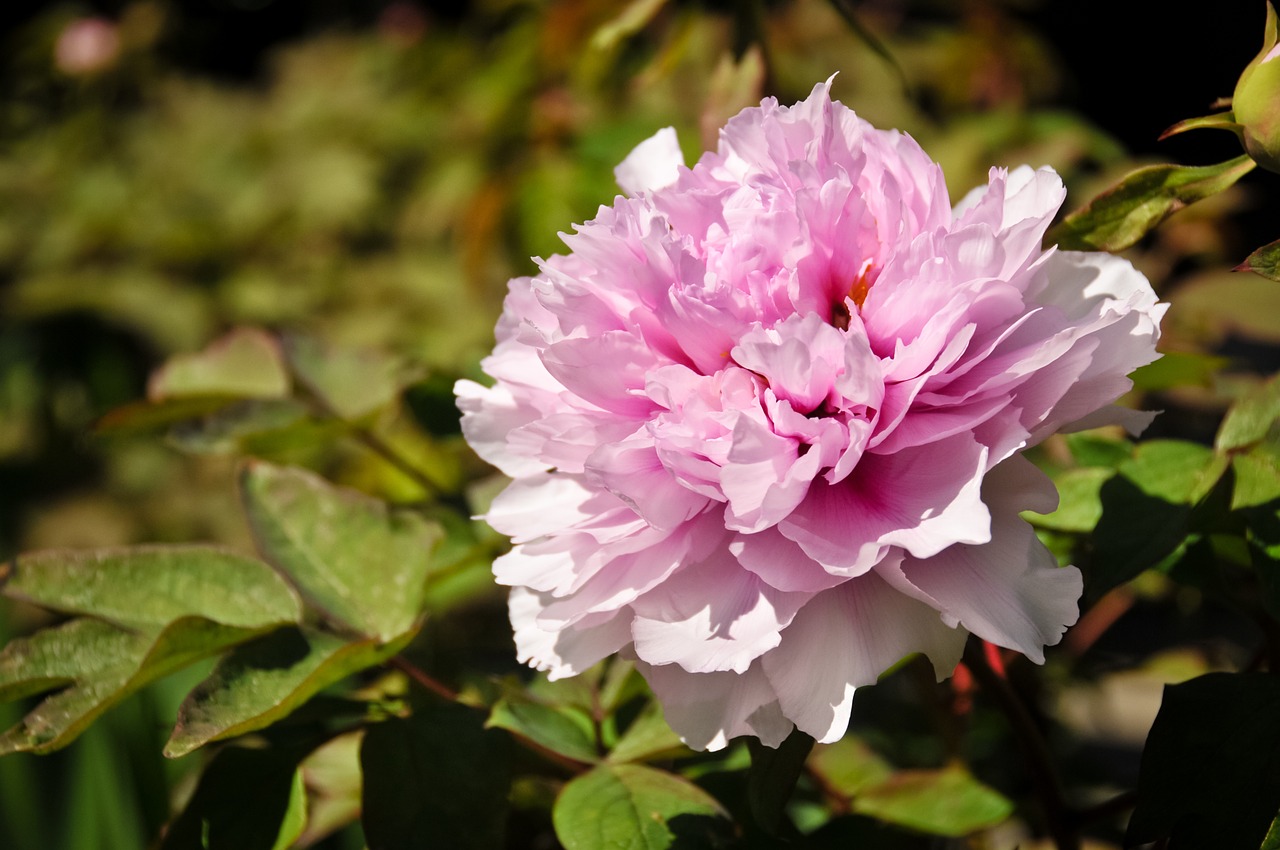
(845, 638)
(780, 562)
(710, 616)
(562, 652)
(1010, 591)
(923, 499)
(652, 164)
(708, 709)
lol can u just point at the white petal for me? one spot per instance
(708, 709)
(1010, 591)
(845, 638)
(652, 164)
(566, 652)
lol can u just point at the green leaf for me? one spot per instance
(648, 737)
(332, 775)
(1136, 532)
(1174, 470)
(1212, 307)
(848, 766)
(144, 416)
(1264, 261)
(267, 679)
(1220, 121)
(1090, 449)
(363, 564)
(1079, 501)
(633, 18)
(147, 587)
(1272, 841)
(227, 429)
(1179, 369)
(1127, 211)
(1257, 473)
(1208, 776)
(245, 363)
(632, 807)
(1150, 508)
(294, 821)
(247, 799)
(351, 384)
(101, 664)
(436, 779)
(562, 730)
(1250, 418)
(942, 802)
(772, 778)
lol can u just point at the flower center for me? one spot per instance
(857, 294)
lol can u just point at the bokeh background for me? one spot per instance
(370, 174)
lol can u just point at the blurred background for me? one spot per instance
(368, 175)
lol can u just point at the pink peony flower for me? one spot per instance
(764, 421)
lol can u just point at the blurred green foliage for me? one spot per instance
(297, 268)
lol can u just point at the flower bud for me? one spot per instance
(1256, 102)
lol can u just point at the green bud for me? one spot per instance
(1256, 102)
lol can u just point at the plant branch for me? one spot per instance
(1044, 775)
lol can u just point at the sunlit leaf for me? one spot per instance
(1257, 474)
(99, 664)
(648, 737)
(562, 730)
(1177, 471)
(1148, 509)
(1248, 420)
(942, 802)
(1264, 261)
(267, 679)
(147, 587)
(849, 765)
(1127, 211)
(349, 383)
(436, 779)
(1079, 500)
(245, 363)
(1208, 775)
(636, 807)
(160, 608)
(363, 564)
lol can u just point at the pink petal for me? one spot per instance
(708, 709)
(845, 638)
(711, 615)
(563, 652)
(923, 499)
